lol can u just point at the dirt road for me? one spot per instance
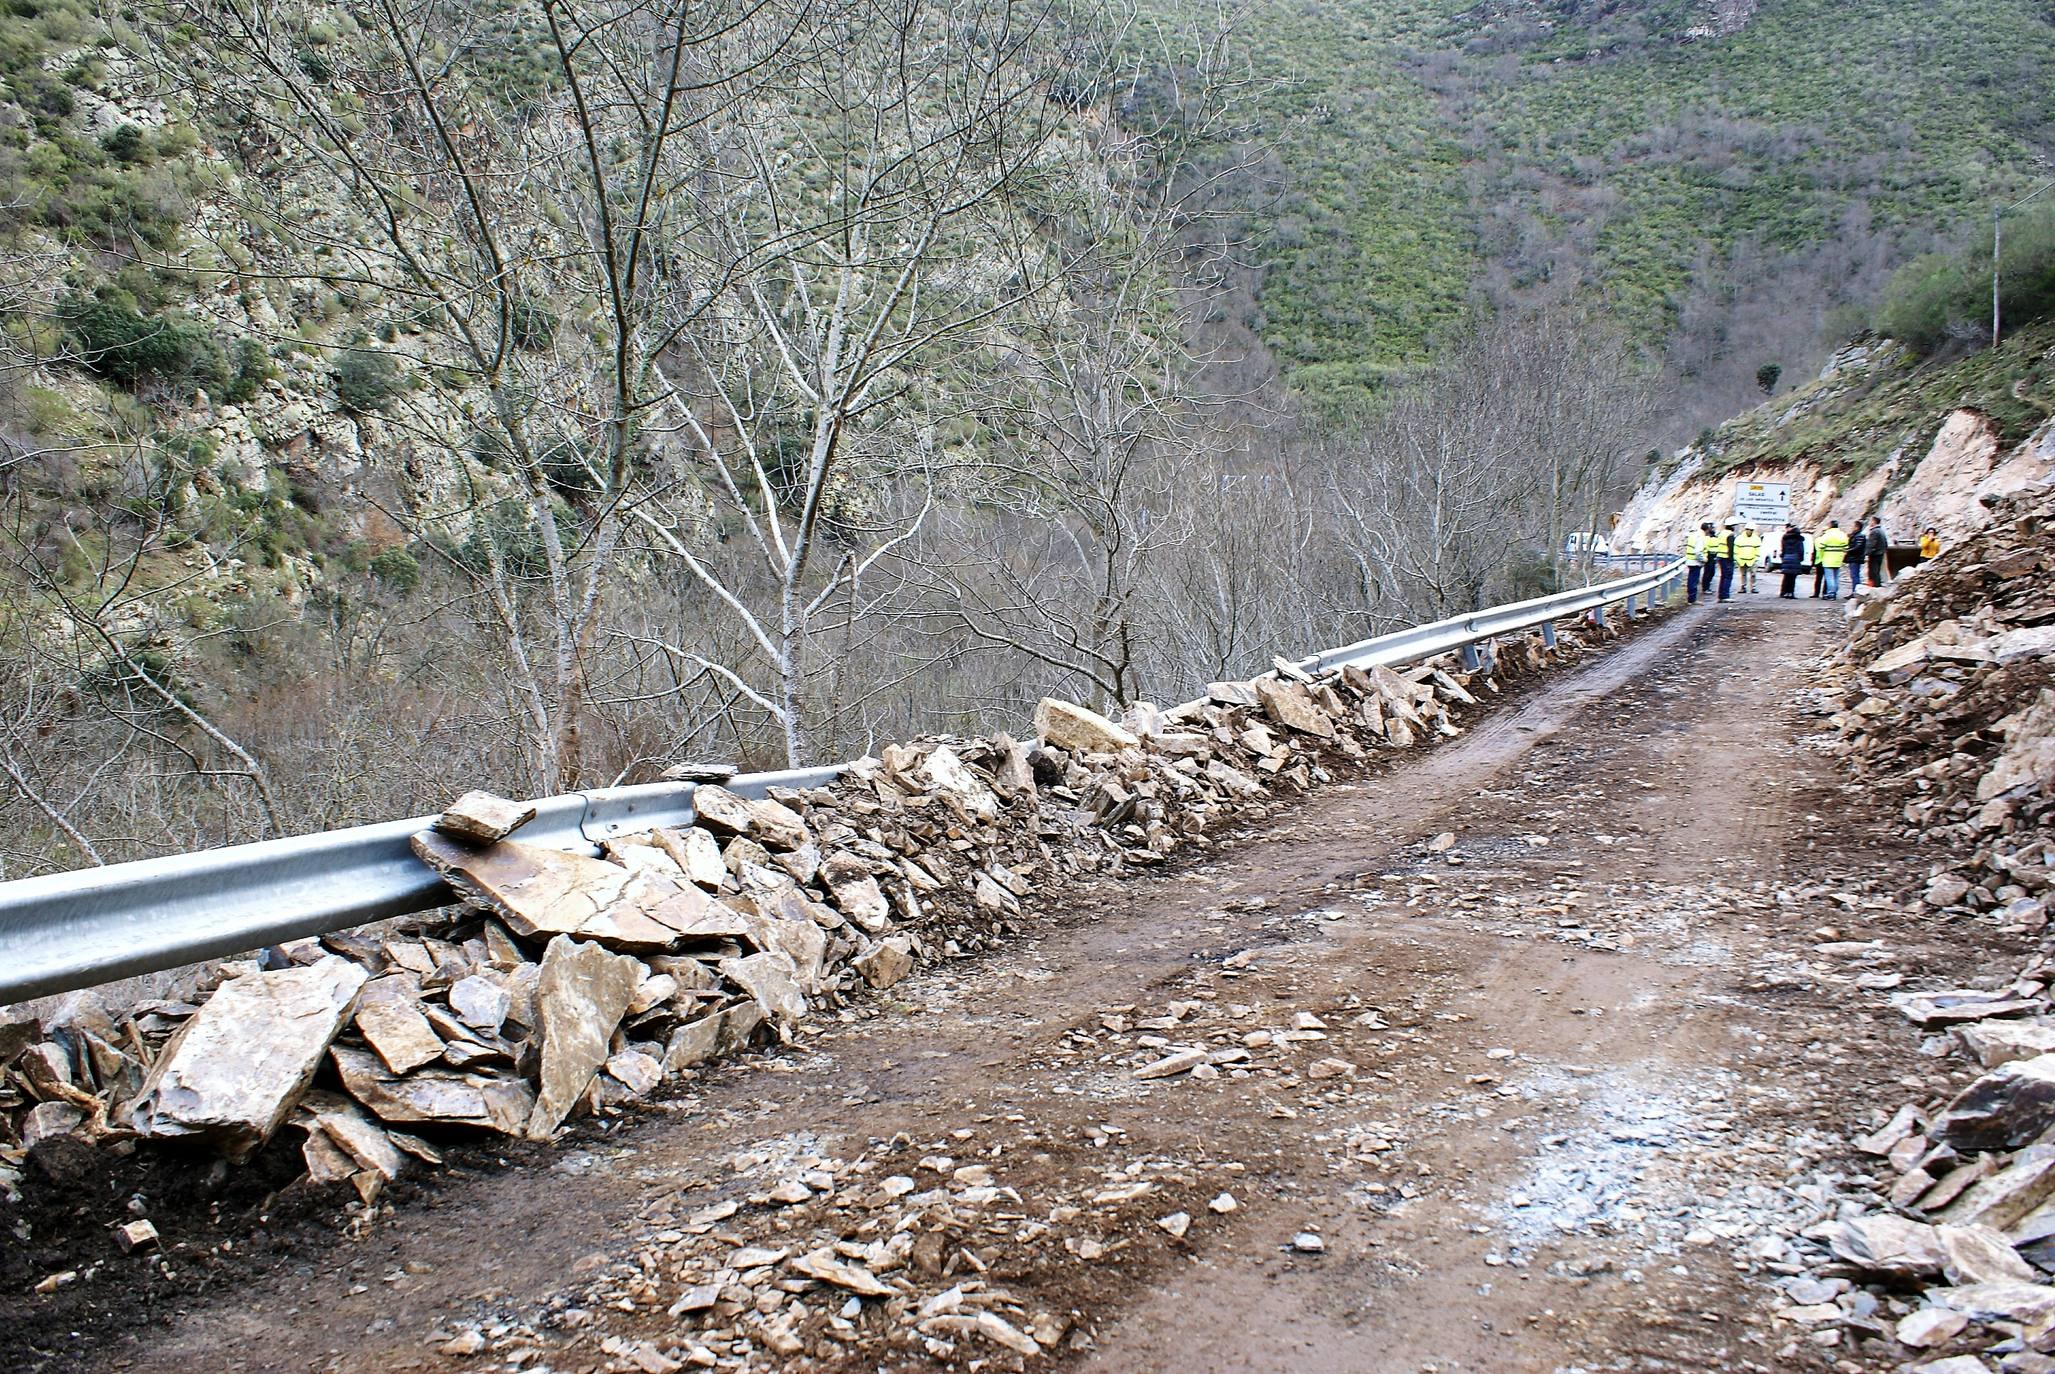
(1540, 1048)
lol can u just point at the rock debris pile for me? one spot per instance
(571, 984)
(1948, 703)
(1948, 1247)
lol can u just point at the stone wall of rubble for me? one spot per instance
(1945, 710)
(568, 985)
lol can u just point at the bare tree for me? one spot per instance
(679, 279)
(103, 605)
(1526, 430)
(1097, 432)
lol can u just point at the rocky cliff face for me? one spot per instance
(1847, 457)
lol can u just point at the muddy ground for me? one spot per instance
(1591, 1065)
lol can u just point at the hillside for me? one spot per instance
(1880, 431)
(428, 385)
(1731, 180)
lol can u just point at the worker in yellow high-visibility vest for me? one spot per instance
(1698, 562)
(1747, 553)
(1723, 557)
(1833, 552)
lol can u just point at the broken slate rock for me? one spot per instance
(856, 893)
(722, 1032)
(773, 980)
(1171, 1065)
(480, 1002)
(638, 1072)
(2005, 1197)
(136, 1235)
(951, 777)
(392, 1024)
(434, 1095)
(1079, 730)
(886, 962)
(1291, 706)
(1992, 1043)
(823, 1265)
(581, 996)
(1960, 1005)
(1930, 1326)
(236, 1068)
(47, 1120)
(2030, 1304)
(482, 818)
(362, 1141)
(1978, 1254)
(2004, 1109)
(771, 824)
(1890, 1245)
(1012, 774)
(697, 853)
(542, 893)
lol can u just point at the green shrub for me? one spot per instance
(1922, 299)
(126, 144)
(252, 370)
(119, 342)
(367, 380)
(534, 324)
(1938, 297)
(397, 569)
(509, 531)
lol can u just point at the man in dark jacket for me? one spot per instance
(1878, 546)
(1858, 550)
(1790, 554)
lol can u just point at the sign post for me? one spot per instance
(1765, 505)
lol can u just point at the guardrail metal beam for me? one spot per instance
(72, 930)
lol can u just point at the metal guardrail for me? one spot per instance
(72, 930)
(1464, 632)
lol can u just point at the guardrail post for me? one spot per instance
(1548, 634)
(1470, 660)
(1598, 616)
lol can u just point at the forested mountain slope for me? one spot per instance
(1730, 178)
(530, 393)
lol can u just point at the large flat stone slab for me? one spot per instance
(542, 893)
(234, 1070)
(583, 993)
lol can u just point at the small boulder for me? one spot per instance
(236, 1068)
(1079, 730)
(483, 818)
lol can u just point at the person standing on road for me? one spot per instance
(1812, 560)
(1747, 554)
(1790, 556)
(1723, 555)
(1697, 553)
(1929, 543)
(1858, 549)
(1833, 551)
(1879, 548)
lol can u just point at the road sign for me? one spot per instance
(1762, 504)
